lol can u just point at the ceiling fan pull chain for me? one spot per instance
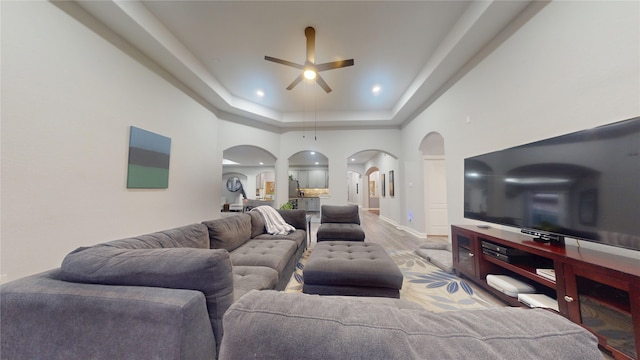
(304, 112)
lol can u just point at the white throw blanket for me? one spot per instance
(273, 221)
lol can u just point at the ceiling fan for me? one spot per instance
(310, 69)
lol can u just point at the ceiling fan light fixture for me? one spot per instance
(310, 74)
(310, 69)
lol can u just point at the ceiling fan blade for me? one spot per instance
(334, 65)
(284, 62)
(310, 33)
(323, 84)
(295, 82)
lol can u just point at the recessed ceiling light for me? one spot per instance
(317, 163)
(376, 89)
(312, 152)
(353, 159)
(260, 93)
(261, 163)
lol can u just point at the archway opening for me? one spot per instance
(373, 189)
(254, 169)
(308, 180)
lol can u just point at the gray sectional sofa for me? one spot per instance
(155, 296)
(170, 294)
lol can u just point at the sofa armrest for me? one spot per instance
(46, 318)
(205, 270)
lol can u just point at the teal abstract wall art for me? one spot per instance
(148, 160)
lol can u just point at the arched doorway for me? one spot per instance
(308, 180)
(435, 185)
(254, 167)
(371, 169)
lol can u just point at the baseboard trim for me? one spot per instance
(404, 228)
(414, 232)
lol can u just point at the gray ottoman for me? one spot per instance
(351, 268)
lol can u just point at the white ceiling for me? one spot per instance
(411, 49)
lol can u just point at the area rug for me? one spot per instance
(424, 283)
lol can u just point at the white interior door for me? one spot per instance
(435, 196)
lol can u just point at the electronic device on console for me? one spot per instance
(506, 254)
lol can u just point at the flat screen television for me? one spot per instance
(584, 185)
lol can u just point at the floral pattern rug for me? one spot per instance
(424, 283)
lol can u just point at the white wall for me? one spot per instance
(354, 184)
(574, 65)
(68, 99)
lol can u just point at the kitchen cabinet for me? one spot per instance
(318, 179)
(314, 178)
(303, 178)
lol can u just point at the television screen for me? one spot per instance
(584, 185)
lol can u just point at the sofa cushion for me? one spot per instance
(339, 214)
(257, 224)
(327, 328)
(338, 231)
(229, 232)
(270, 253)
(247, 278)
(298, 236)
(206, 270)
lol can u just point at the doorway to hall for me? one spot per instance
(373, 190)
(435, 185)
(370, 181)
